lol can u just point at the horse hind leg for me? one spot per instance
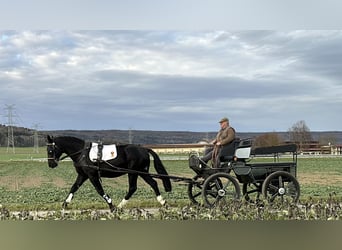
(132, 182)
(154, 185)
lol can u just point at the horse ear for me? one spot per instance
(49, 139)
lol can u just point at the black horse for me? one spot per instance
(131, 159)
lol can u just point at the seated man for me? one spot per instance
(225, 136)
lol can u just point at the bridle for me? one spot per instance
(53, 152)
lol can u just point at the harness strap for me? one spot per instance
(99, 151)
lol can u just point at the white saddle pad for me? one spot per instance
(109, 152)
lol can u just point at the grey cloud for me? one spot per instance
(172, 80)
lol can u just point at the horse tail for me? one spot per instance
(159, 167)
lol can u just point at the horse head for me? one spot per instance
(53, 152)
(71, 146)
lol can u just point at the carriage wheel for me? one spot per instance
(195, 191)
(251, 191)
(281, 186)
(220, 189)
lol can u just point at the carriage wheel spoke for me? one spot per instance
(212, 193)
(211, 186)
(197, 194)
(218, 185)
(280, 180)
(272, 187)
(218, 198)
(273, 197)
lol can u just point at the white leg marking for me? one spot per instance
(68, 200)
(161, 200)
(122, 203)
(108, 200)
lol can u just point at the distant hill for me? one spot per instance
(23, 137)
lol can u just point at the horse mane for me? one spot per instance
(72, 139)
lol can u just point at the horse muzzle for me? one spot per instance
(52, 163)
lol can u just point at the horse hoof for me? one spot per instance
(112, 209)
(64, 205)
(161, 200)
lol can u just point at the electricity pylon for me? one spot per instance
(130, 136)
(35, 139)
(10, 136)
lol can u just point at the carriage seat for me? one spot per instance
(238, 148)
(228, 151)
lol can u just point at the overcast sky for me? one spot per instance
(172, 80)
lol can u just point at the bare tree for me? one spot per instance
(300, 133)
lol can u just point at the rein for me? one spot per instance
(75, 153)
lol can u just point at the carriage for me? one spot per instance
(268, 172)
(240, 163)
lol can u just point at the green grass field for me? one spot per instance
(26, 182)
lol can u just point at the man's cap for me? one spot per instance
(224, 119)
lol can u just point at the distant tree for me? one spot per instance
(268, 139)
(300, 133)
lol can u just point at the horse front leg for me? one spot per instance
(98, 186)
(78, 183)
